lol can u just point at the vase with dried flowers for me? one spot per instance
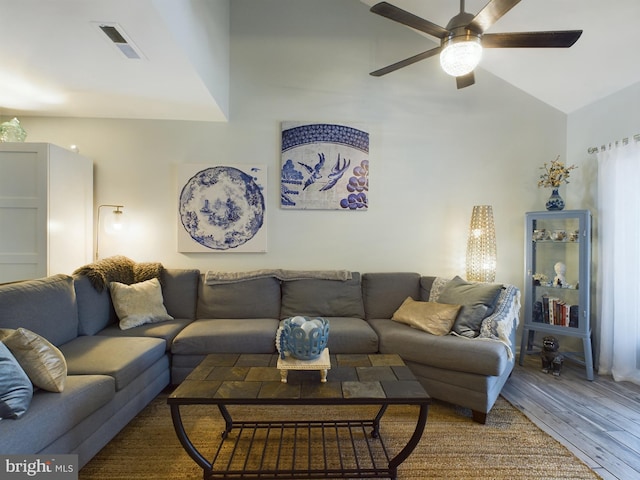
(555, 174)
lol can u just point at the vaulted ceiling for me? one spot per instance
(56, 60)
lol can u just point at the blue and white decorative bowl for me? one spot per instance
(303, 338)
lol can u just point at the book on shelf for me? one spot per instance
(555, 311)
(574, 315)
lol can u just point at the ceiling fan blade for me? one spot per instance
(491, 13)
(557, 39)
(465, 80)
(409, 19)
(406, 62)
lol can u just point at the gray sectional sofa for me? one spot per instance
(114, 373)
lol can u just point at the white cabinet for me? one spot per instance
(46, 210)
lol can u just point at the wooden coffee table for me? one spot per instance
(316, 448)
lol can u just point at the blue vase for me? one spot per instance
(555, 202)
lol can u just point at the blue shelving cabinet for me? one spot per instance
(557, 283)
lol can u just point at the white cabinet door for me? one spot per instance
(46, 210)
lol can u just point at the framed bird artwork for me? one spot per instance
(325, 166)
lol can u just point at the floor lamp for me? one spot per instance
(112, 225)
(481, 246)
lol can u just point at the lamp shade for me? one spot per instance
(481, 246)
(461, 55)
(112, 223)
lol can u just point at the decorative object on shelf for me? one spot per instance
(540, 279)
(113, 224)
(561, 270)
(540, 234)
(558, 235)
(551, 358)
(555, 202)
(303, 338)
(481, 245)
(324, 166)
(555, 174)
(12, 131)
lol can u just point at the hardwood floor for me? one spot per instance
(597, 421)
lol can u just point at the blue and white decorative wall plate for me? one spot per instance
(222, 208)
(325, 166)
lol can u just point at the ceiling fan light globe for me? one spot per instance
(459, 58)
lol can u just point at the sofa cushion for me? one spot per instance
(351, 335)
(43, 363)
(15, 387)
(322, 298)
(227, 335)
(431, 317)
(258, 298)
(123, 358)
(180, 292)
(477, 299)
(383, 293)
(57, 322)
(449, 352)
(95, 310)
(51, 415)
(165, 330)
(139, 303)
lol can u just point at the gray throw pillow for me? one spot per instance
(42, 361)
(477, 299)
(16, 389)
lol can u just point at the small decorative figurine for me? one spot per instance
(551, 359)
(560, 279)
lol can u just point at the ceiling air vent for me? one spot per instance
(117, 36)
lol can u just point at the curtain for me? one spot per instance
(618, 280)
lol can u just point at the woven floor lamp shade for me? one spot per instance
(481, 246)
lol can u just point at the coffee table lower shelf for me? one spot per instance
(298, 450)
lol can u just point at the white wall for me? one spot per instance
(435, 151)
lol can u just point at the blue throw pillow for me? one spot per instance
(16, 389)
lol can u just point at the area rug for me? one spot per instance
(509, 446)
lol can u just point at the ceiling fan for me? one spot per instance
(462, 40)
